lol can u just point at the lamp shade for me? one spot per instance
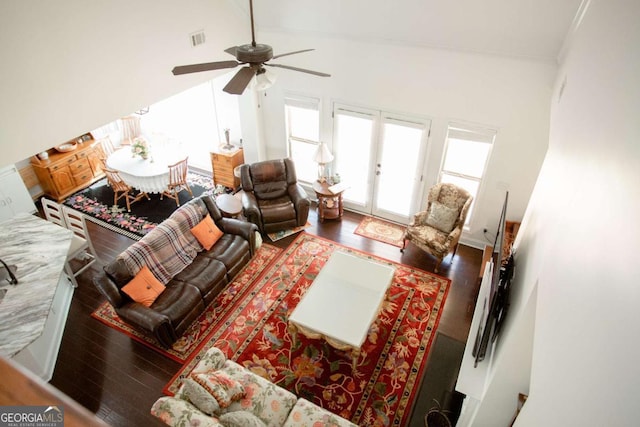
(323, 155)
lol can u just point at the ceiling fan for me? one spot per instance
(254, 56)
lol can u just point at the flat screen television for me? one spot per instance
(498, 298)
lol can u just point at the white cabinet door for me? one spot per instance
(14, 196)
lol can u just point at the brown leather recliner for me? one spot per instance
(272, 198)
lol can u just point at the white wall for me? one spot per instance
(579, 238)
(507, 94)
(69, 66)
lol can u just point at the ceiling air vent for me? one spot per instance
(197, 38)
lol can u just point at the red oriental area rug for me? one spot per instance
(380, 230)
(254, 333)
(200, 330)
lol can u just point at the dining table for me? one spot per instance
(150, 175)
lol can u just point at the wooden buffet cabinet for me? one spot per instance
(223, 164)
(64, 173)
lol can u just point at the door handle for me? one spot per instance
(378, 172)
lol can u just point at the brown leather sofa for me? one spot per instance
(189, 292)
(272, 198)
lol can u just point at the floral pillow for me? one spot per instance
(200, 397)
(442, 217)
(221, 386)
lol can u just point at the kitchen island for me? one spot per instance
(33, 312)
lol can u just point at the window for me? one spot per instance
(302, 117)
(465, 159)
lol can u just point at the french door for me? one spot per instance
(380, 157)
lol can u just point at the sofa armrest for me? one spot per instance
(108, 288)
(150, 320)
(246, 230)
(306, 413)
(212, 360)
(178, 412)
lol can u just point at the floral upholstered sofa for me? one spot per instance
(220, 392)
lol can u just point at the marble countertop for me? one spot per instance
(39, 249)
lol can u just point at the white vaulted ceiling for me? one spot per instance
(521, 28)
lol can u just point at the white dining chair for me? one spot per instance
(107, 146)
(130, 129)
(81, 247)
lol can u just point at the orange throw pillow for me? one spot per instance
(144, 288)
(207, 232)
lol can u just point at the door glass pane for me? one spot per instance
(398, 166)
(353, 154)
(468, 184)
(466, 157)
(302, 155)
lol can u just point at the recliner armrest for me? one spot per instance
(250, 208)
(300, 201)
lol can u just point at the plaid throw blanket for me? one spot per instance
(169, 248)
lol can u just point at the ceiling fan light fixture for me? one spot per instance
(264, 79)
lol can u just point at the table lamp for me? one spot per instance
(322, 157)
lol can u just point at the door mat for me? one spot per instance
(286, 233)
(382, 231)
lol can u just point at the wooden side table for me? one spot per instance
(229, 205)
(329, 203)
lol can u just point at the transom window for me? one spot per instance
(302, 117)
(465, 159)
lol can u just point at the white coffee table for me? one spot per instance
(342, 302)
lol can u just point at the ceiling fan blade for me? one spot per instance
(231, 50)
(240, 81)
(207, 66)
(289, 67)
(292, 53)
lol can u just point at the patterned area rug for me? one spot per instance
(199, 331)
(382, 231)
(252, 330)
(96, 202)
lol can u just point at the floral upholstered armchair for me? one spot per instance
(437, 229)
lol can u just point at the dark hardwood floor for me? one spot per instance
(119, 379)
